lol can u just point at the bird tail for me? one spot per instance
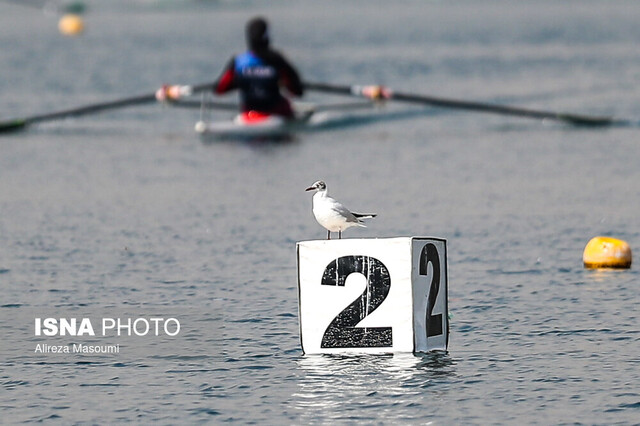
(364, 216)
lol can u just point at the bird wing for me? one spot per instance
(343, 211)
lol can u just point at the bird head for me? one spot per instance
(317, 186)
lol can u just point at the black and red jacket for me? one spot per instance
(258, 76)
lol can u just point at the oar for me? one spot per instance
(575, 119)
(193, 104)
(21, 123)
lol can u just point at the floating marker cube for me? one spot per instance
(373, 295)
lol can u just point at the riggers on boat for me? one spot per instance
(308, 116)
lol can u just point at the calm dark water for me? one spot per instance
(128, 214)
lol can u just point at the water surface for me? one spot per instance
(129, 214)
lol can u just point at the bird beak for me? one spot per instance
(311, 188)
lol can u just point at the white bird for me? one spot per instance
(332, 215)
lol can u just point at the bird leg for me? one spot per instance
(339, 234)
(328, 235)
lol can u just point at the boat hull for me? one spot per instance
(251, 125)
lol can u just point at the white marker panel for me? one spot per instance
(373, 295)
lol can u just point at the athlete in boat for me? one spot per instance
(259, 73)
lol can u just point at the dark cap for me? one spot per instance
(257, 34)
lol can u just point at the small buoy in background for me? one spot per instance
(606, 252)
(71, 24)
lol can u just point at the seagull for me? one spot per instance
(332, 215)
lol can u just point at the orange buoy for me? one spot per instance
(71, 24)
(606, 252)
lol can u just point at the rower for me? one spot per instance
(258, 74)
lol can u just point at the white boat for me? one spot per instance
(253, 124)
(308, 117)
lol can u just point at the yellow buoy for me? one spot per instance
(71, 24)
(606, 252)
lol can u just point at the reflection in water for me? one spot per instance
(333, 386)
(604, 275)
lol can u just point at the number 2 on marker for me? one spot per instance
(430, 254)
(342, 331)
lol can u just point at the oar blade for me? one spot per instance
(12, 125)
(588, 121)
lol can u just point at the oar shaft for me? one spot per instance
(228, 106)
(90, 109)
(503, 109)
(584, 120)
(19, 123)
